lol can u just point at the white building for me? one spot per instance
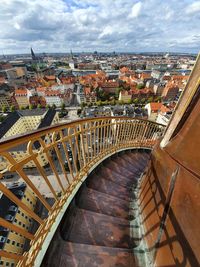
(53, 97)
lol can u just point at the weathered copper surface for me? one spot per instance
(95, 230)
(171, 223)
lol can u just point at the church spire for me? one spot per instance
(71, 54)
(33, 54)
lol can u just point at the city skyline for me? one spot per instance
(105, 26)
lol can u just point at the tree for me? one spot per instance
(129, 101)
(1, 118)
(143, 100)
(53, 106)
(48, 106)
(12, 108)
(21, 107)
(150, 99)
(121, 102)
(113, 102)
(31, 106)
(39, 106)
(135, 100)
(118, 90)
(83, 104)
(4, 109)
(101, 95)
(140, 86)
(158, 99)
(100, 103)
(63, 106)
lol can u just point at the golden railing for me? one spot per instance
(53, 161)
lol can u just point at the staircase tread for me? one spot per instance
(116, 177)
(126, 164)
(74, 254)
(119, 169)
(99, 202)
(98, 229)
(109, 187)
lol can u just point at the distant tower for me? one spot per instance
(33, 55)
(71, 54)
(166, 55)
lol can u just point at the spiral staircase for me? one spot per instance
(98, 227)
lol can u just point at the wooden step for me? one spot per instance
(87, 227)
(81, 255)
(106, 186)
(99, 202)
(112, 175)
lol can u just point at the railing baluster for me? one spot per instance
(94, 139)
(90, 146)
(107, 134)
(86, 133)
(61, 163)
(104, 134)
(83, 145)
(78, 148)
(54, 170)
(73, 154)
(64, 143)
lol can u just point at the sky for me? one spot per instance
(99, 25)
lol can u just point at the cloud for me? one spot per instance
(102, 25)
(17, 26)
(193, 8)
(136, 10)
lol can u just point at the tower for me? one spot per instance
(33, 55)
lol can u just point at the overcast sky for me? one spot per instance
(102, 25)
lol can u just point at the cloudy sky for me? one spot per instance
(102, 25)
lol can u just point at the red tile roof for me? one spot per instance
(21, 92)
(52, 93)
(155, 106)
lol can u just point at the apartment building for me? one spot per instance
(24, 121)
(22, 98)
(11, 241)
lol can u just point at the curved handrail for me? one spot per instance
(38, 132)
(60, 156)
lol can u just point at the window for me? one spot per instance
(7, 263)
(18, 244)
(13, 242)
(8, 240)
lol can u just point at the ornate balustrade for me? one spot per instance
(51, 164)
